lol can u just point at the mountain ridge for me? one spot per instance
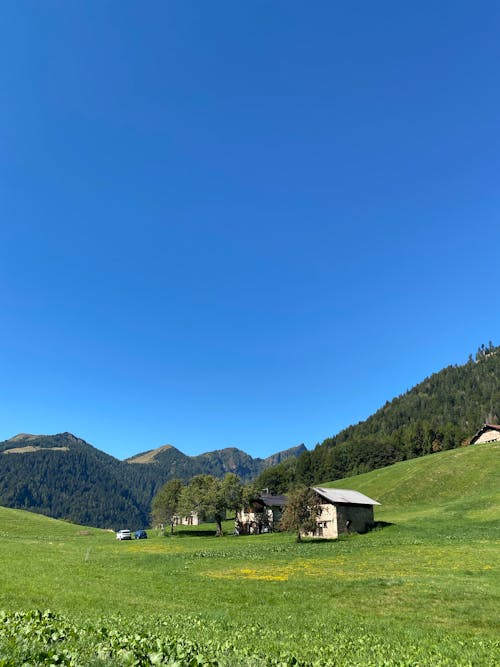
(64, 476)
(151, 455)
(88, 486)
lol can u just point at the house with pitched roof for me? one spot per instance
(342, 511)
(262, 514)
(488, 433)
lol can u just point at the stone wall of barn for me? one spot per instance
(337, 519)
(327, 522)
(354, 518)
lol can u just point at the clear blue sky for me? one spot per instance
(241, 223)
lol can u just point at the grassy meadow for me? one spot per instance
(421, 589)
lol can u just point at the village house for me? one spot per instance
(190, 520)
(488, 433)
(342, 511)
(262, 515)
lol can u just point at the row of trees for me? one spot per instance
(208, 496)
(213, 498)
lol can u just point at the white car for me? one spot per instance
(124, 535)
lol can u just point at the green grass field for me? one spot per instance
(422, 590)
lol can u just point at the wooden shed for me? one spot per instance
(488, 433)
(343, 511)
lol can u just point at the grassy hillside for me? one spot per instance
(440, 413)
(266, 600)
(464, 482)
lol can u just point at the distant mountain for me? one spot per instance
(173, 463)
(64, 477)
(442, 412)
(290, 453)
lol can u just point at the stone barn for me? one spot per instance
(343, 511)
(488, 433)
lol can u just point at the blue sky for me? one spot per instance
(241, 224)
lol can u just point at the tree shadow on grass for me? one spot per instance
(317, 540)
(376, 525)
(196, 533)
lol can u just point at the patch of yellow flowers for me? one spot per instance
(283, 572)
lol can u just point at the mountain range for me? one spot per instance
(65, 477)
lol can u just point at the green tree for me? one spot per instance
(278, 478)
(301, 511)
(232, 492)
(165, 504)
(211, 497)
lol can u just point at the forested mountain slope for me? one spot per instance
(442, 412)
(63, 476)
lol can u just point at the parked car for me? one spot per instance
(124, 535)
(141, 535)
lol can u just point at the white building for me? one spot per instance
(488, 433)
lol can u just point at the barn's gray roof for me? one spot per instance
(272, 500)
(344, 496)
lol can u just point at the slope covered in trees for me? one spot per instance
(442, 412)
(64, 477)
